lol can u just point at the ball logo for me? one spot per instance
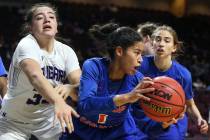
(162, 94)
(156, 108)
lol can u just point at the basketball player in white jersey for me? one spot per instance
(39, 64)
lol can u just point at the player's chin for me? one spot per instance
(132, 72)
(49, 34)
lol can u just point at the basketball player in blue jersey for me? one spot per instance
(145, 30)
(109, 85)
(166, 45)
(3, 80)
(40, 66)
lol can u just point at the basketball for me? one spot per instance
(166, 102)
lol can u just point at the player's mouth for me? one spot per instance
(47, 27)
(160, 50)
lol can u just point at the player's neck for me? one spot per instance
(46, 44)
(115, 72)
(163, 64)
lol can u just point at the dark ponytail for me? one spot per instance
(112, 35)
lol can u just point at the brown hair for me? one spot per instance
(179, 44)
(146, 29)
(29, 15)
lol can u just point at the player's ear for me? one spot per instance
(28, 28)
(147, 38)
(174, 48)
(119, 51)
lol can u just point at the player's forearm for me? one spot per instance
(93, 105)
(42, 85)
(35, 75)
(193, 111)
(120, 100)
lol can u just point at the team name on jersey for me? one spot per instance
(51, 72)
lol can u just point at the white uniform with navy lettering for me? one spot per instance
(24, 111)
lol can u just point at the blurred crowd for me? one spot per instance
(75, 19)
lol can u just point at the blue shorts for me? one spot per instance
(174, 132)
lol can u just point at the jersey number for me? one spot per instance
(37, 99)
(102, 118)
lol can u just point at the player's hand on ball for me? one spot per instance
(174, 120)
(142, 88)
(63, 113)
(136, 93)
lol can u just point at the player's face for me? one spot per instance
(163, 43)
(44, 22)
(148, 48)
(132, 58)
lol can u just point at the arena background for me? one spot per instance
(190, 18)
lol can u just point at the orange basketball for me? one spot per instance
(167, 101)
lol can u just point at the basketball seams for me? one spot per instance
(164, 101)
(167, 101)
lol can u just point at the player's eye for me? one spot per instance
(39, 17)
(167, 40)
(52, 17)
(158, 39)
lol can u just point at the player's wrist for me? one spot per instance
(58, 100)
(120, 99)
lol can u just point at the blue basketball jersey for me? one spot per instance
(180, 74)
(100, 118)
(3, 71)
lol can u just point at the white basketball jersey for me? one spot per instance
(22, 102)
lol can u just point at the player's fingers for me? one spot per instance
(67, 121)
(71, 123)
(145, 90)
(165, 124)
(147, 78)
(142, 97)
(142, 83)
(204, 128)
(65, 96)
(145, 84)
(74, 113)
(203, 124)
(181, 116)
(174, 120)
(62, 122)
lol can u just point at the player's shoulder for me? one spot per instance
(94, 67)
(95, 61)
(182, 70)
(28, 40)
(62, 46)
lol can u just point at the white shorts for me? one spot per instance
(10, 130)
